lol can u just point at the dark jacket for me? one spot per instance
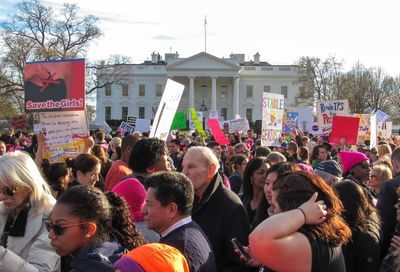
(96, 258)
(221, 215)
(386, 200)
(193, 243)
(362, 253)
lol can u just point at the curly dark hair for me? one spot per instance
(122, 226)
(296, 188)
(146, 153)
(53, 172)
(112, 217)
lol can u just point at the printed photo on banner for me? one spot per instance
(64, 133)
(272, 118)
(328, 109)
(55, 85)
(290, 122)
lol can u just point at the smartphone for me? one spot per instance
(239, 246)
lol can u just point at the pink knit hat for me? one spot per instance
(349, 159)
(135, 194)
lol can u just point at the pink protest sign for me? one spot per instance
(217, 132)
(344, 127)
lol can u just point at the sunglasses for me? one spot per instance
(59, 229)
(365, 166)
(8, 191)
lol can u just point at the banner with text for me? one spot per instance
(64, 133)
(327, 109)
(385, 130)
(55, 85)
(166, 109)
(290, 121)
(272, 118)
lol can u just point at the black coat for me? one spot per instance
(221, 215)
(386, 200)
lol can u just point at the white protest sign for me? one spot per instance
(213, 114)
(373, 130)
(64, 133)
(142, 125)
(272, 118)
(385, 130)
(166, 109)
(238, 125)
(305, 120)
(327, 109)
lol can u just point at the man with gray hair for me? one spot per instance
(217, 210)
(329, 171)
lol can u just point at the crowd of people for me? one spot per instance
(133, 203)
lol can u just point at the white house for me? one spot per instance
(228, 85)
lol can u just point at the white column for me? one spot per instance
(235, 96)
(214, 94)
(191, 92)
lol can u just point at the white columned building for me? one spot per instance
(229, 86)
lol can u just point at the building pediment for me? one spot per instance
(203, 61)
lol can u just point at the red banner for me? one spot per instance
(217, 132)
(55, 85)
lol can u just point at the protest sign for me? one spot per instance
(166, 109)
(291, 121)
(142, 125)
(305, 120)
(373, 129)
(384, 130)
(327, 109)
(363, 129)
(217, 132)
(55, 85)
(192, 125)
(344, 127)
(18, 122)
(179, 121)
(213, 114)
(238, 125)
(272, 117)
(131, 120)
(125, 127)
(64, 133)
(197, 123)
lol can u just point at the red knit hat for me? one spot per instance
(349, 159)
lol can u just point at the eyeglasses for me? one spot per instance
(8, 191)
(59, 229)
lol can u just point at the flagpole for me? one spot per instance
(205, 33)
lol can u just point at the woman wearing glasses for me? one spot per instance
(92, 228)
(25, 199)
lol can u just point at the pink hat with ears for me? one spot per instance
(349, 159)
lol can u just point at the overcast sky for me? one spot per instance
(281, 31)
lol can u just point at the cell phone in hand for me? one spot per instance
(236, 244)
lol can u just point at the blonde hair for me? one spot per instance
(209, 156)
(382, 172)
(384, 149)
(17, 169)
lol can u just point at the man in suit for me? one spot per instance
(169, 202)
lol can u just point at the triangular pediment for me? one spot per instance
(203, 61)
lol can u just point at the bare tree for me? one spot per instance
(35, 32)
(320, 78)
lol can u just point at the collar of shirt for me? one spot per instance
(176, 225)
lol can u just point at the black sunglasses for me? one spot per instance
(59, 229)
(8, 191)
(365, 166)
